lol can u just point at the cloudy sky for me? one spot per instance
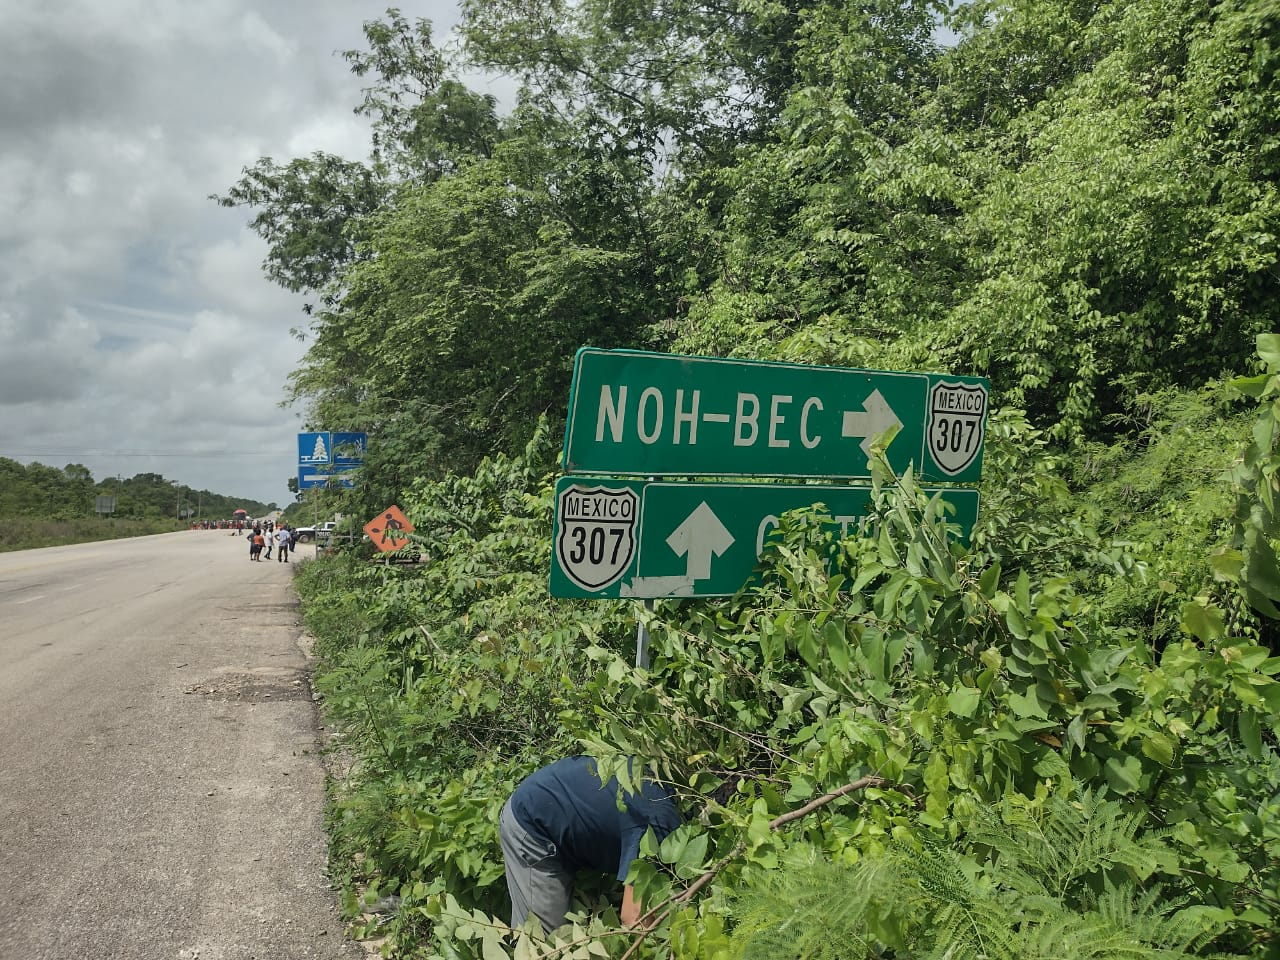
(137, 332)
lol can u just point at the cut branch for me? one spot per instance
(654, 916)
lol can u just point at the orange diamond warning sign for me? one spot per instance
(390, 529)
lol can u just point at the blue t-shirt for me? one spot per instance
(564, 803)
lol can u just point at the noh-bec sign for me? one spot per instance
(653, 414)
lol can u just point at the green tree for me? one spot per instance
(309, 211)
(456, 334)
(821, 259)
(1152, 167)
(313, 211)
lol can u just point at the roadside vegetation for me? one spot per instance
(25, 533)
(1057, 736)
(43, 506)
(1059, 741)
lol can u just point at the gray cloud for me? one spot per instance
(43, 64)
(137, 333)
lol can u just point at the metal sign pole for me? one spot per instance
(642, 637)
(642, 641)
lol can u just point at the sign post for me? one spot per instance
(669, 418)
(325, 460)
(314, 449)
(348, 449)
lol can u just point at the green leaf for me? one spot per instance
(894, 649)
(1227, 564)
(802, 788)
(1123, 774)
(1250, 733)
(1022, 592)
(1099, 700)
(1250, 657)
(1270, 694)
(772, 643)
(963, 701)
(1026, 705)
(1269, 350)
(1202, 620)
(1077, 730)
(692, 859)
(1159, 747)
(793, 700)
(989, 582)
(1246, 692)
(837, 646)
(807, 645)
(491, 946)
(1251, 386)
(938, 783)
(872, 646)
(1262, 568)
(1017, 625)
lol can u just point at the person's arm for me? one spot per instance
(651, 809)
(630, 906)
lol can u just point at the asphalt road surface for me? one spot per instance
(161, 787)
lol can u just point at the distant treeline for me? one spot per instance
(40, 492)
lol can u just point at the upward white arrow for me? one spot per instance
(877, 417)
(701, 535)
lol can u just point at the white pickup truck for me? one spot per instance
(320, 533)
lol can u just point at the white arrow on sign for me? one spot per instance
(701, 535)
(877, 418)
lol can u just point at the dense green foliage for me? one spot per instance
(1077, 200)
(1048, 750)
(42, 506)
(1060, 741)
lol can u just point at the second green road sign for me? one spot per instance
(654, 414)
(633, 538)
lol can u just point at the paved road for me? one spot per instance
(160, 787)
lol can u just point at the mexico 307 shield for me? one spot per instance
(957, 422)
(597, 533)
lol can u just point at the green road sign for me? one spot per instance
(634, 538)
(656, 414)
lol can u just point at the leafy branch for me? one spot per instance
(659, 913)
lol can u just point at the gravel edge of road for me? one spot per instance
(336, 762)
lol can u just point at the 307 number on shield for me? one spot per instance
(596, 532)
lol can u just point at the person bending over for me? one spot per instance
(562, 819)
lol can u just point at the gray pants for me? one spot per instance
(537, 880)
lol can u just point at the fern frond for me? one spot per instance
(809, 909)
(1057, 880)
(1068, 847)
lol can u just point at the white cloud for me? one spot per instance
(137, 333)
